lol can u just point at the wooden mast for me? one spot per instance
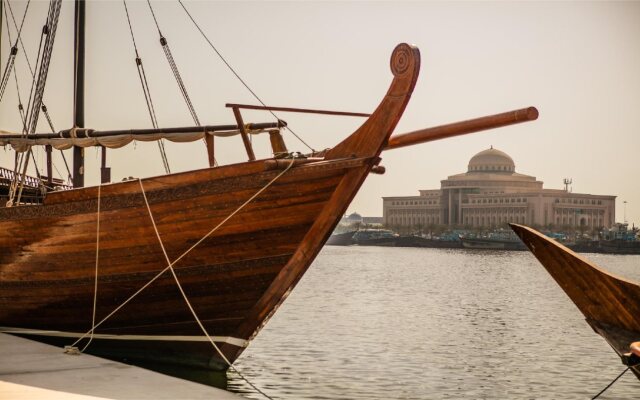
(78, 115)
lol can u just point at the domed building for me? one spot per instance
(491, 193)
(492, 160)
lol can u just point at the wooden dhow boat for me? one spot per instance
(610, 304)
(184, 268)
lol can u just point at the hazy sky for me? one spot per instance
(578, 62)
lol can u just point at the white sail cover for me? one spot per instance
(112, 142)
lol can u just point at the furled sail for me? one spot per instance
(115, 139)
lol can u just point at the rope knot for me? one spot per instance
(71, 350)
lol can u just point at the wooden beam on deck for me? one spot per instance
(243, 133)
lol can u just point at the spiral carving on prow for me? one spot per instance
(401, 59)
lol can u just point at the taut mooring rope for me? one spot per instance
(95, 285)
(169, 267)
(613, 381)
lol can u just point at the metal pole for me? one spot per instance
(79, 45)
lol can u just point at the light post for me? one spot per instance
(625, 211)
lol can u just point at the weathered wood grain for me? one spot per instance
(235, 279)
(610, 304)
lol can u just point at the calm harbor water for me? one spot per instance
(413, 323)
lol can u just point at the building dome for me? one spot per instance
(492, 160)
(354, 217)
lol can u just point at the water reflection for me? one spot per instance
(199, 375)
(374, 323)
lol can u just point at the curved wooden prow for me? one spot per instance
(365, 143)
(610, 304)
(372, 136)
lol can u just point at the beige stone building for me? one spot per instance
(491, 193)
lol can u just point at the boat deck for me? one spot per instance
(32, 370)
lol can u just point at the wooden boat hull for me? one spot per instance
(235, 279)
(223, 277)
(490, 244)
(610, 304)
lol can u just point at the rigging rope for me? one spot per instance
(176, 73)
(174, 69)
(17, 179)
(23, 117)
(616, 379)
(14, 50)
(37, 90)
(147, 92)
(95, 284)
(32, 72)
(44, 32)
(25, 128)
(188, 251)
(7, 71)
(53, 130)
(52, 24)
(613, 381)
(25, 161)
(236, 74)
(20, 106)
(72, 349)
(182, 292)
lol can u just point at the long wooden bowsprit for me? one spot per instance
(395, 142)
(462, 128)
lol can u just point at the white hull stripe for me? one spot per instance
(220, 339)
